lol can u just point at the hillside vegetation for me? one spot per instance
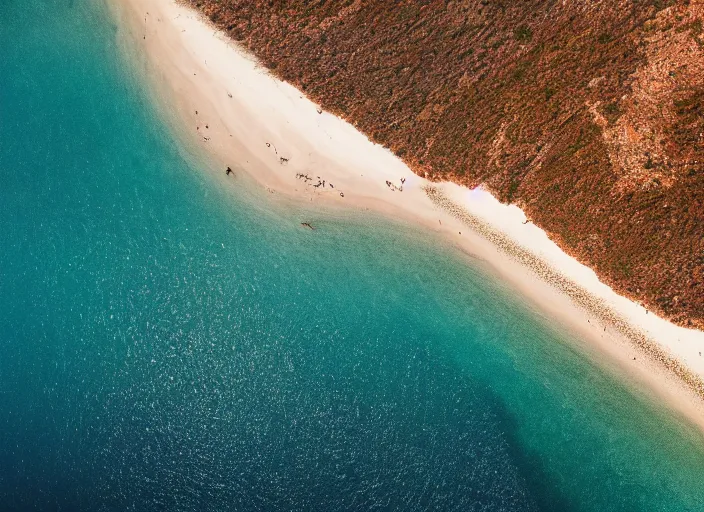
(587, 114)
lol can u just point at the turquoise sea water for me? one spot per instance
(171, 343)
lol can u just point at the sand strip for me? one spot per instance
(244, 118)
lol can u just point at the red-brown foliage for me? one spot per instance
(531, 98)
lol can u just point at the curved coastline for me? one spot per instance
(245, 118)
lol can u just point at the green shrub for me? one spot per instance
(523, 34)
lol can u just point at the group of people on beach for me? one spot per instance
(321, 182)
(394, 187)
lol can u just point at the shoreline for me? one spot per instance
(244, 118)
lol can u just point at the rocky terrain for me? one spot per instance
(587, 114)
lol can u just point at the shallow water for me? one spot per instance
(171, 343)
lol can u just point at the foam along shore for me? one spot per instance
(245, 118)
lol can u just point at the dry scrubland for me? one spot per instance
(588, 115)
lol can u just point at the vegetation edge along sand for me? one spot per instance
(247, 119)
(589, 116)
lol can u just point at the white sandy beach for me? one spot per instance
(250, 121)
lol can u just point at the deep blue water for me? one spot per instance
(172, 342)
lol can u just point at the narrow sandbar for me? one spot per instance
(244, 118)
